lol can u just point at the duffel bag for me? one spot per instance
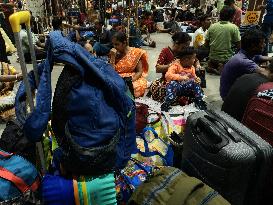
(169, 185)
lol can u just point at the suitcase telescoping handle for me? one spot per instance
(16, 19)
(209, 136)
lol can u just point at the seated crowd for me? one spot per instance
(92, 121)
(182, 74)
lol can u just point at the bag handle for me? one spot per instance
(214, 140)
(16, 19)
(236, 138)
(150, 129)
(17, 181)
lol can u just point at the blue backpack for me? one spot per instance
(93, 117)
(18, 177)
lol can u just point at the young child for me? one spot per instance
(182, 80)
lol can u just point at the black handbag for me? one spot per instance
(13, 140)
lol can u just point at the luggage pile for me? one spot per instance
(94, 144)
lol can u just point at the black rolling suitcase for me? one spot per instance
(229, 157)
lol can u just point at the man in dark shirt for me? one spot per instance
(103, 39)
(102, 36)
(242, 63)
(242, 90)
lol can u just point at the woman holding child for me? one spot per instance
(181, 40)
(182, 80)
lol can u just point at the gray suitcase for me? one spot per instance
(229, 157)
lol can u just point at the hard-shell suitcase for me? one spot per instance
(229, 157)
(258, 115)
(16, 19)
(259, 118)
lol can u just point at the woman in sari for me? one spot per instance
(130, 63)
(157, 89)
(181, 40)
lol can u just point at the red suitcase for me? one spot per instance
(259, 115)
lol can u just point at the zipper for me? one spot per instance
(209, 197)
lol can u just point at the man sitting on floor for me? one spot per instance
(220, 38)
(242, 63)
(242, 90)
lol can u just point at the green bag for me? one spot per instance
(171, 186)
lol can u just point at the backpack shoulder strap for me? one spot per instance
(17, 181)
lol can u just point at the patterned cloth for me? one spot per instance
(266, 94)
(133, 175)
(127, 65)
(157, 89)
(188, 88)
(175, 110)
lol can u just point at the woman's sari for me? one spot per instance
(127, 65)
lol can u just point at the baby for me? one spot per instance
(182, 80)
